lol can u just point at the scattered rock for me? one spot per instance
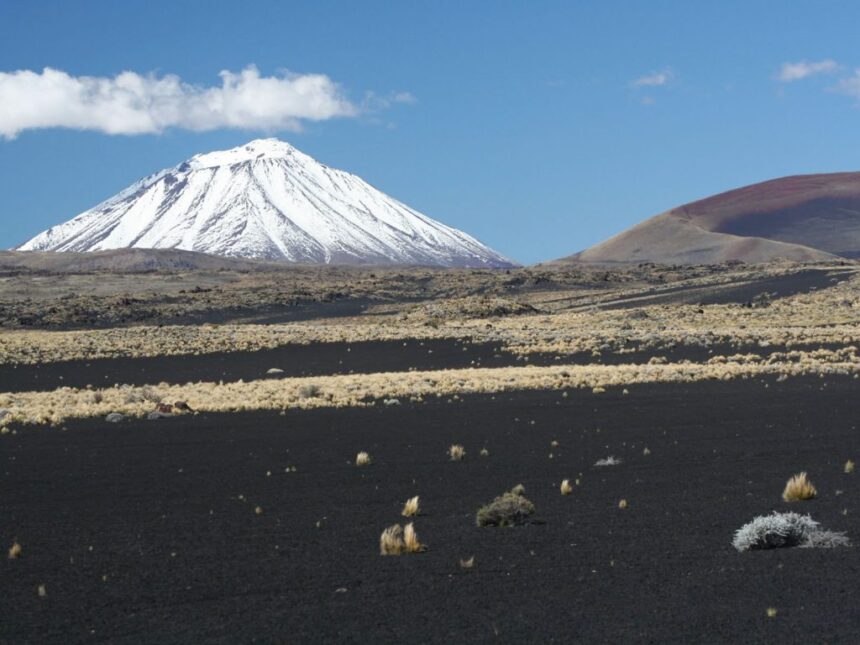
(309, 391)
(164, 408)
(114, 417)
(4, 413)
(153, 416)
(182, 406)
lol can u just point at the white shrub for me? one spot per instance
(785, 530)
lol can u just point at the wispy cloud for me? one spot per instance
(374, 102)
(654, 79)
(790, 72)
(131, 103)
(850, 85)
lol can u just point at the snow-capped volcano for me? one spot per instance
(266, 200)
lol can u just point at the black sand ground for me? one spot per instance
(147, 531)
(323, 359)
(295, 360)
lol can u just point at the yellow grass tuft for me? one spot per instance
(622, 504)
(467, 563)
(258, 510)
(485, 452)
(362, 459)
(456, 452)
(566, 488)
(797, 488)
(410, 540)
(411, 507)
(42, 591)
(14, 550)
(771, 612)
(391, 541)
(849, 467)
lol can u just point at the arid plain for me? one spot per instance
(180, 451)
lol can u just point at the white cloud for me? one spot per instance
(655, 79)
(850, 85)
(374, 102)
(130, 103)
(790, 72)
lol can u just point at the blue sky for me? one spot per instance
(521, 123)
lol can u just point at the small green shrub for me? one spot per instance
(508, 509)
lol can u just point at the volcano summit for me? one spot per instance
(266, 200)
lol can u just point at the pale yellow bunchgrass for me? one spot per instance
(14, 550)
(258, 510)
(391, 541)
(484, 452)
(566, 488)
(798, 488)
(849, 467)
(362, 459)
(42, 591)
(353, 390)
(456, 452)
(771, 612)
(411, 507)
(467, 563)
(622, 504)
(410, 540)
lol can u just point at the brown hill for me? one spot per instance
(802, 218)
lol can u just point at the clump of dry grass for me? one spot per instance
(258, 510)
(396, 540)
(411, 507)
(391, 541)
(622, 504)
(42, 591)
(456, 452)
(849, 467)
(566, 488)
(467, 563)
(362, 459)
(484, 452)
(14, 550)
(411, 542)
(508, 509)
(798, 488)
(771, 612)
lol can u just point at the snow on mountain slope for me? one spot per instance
(266, 200)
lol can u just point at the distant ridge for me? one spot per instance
(124, 261)
(805, 218)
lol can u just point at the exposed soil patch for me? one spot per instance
(148, 531)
